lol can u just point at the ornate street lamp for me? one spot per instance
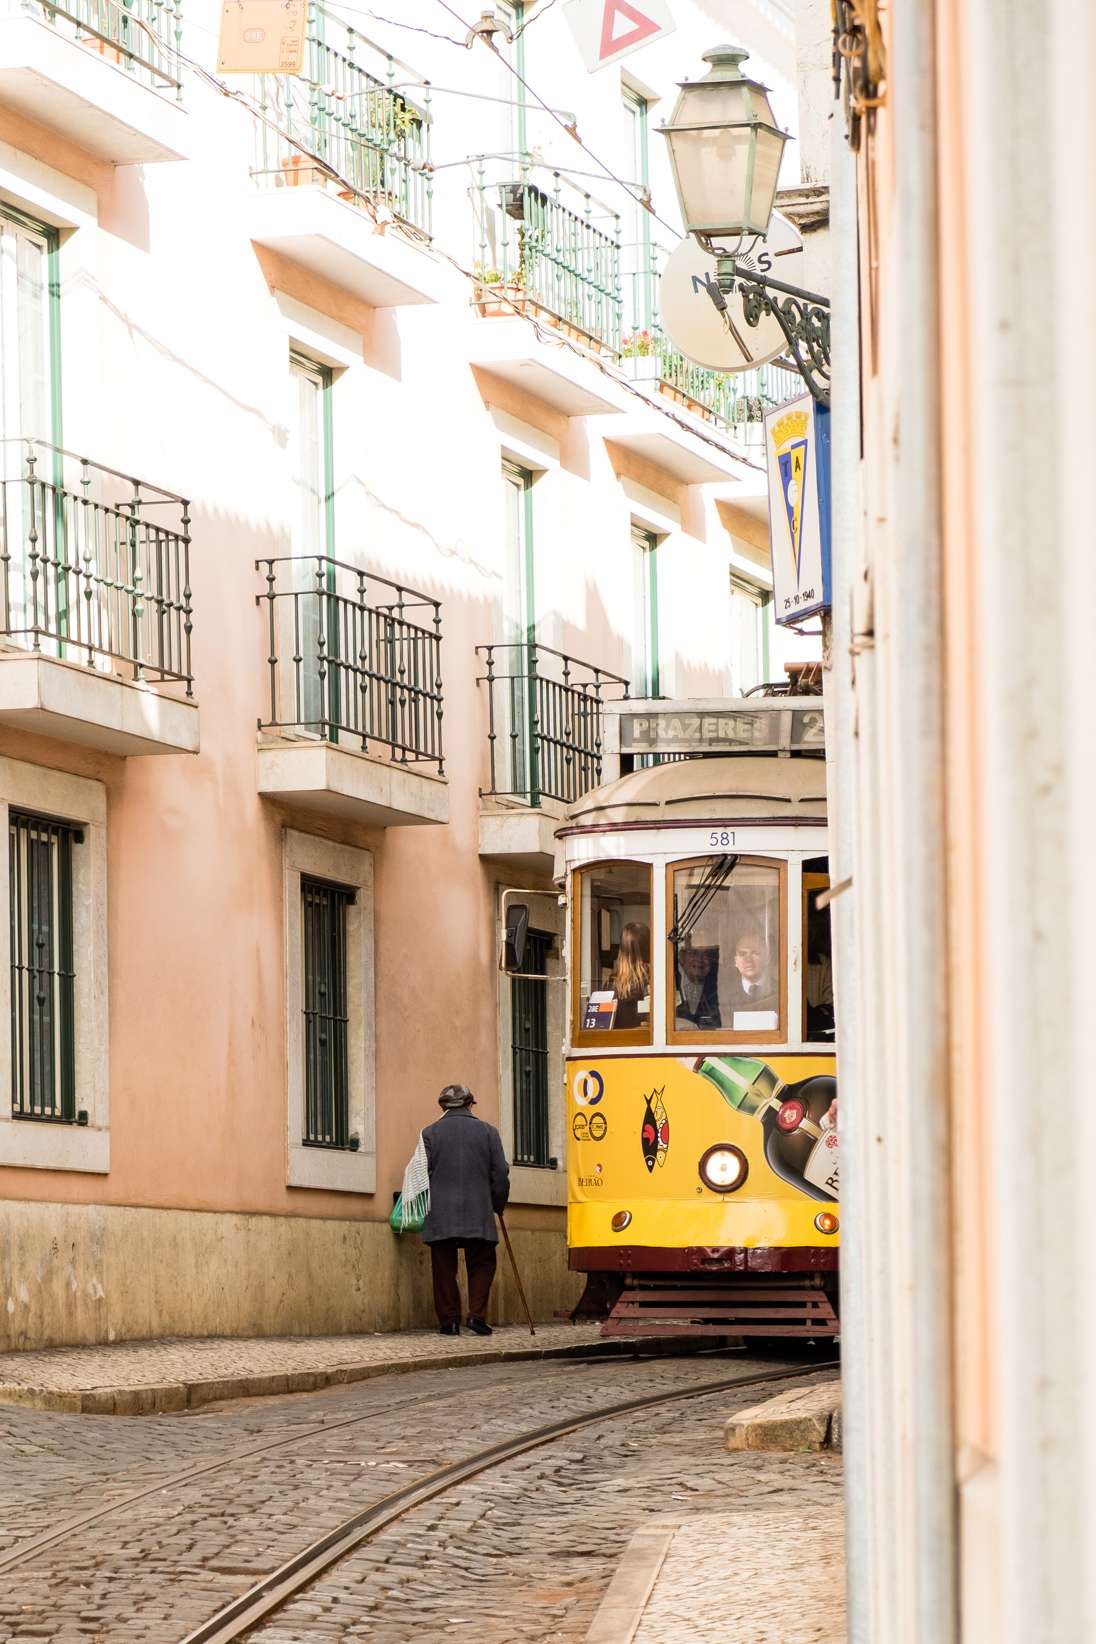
(725, 151)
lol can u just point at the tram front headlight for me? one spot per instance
(723, 1168)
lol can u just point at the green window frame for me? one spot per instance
(18, 420)
(646, 673)
(43, 971)
(313, 475)
(529, 1055)
(519, 629)
(640, 255)
(759, 601)
(325, 1007)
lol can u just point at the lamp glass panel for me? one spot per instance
(766, 173)
(712, 167)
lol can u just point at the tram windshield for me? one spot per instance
(614, 948)
(726, 956)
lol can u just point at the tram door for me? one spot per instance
(818, 1009)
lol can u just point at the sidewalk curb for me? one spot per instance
(170, 1397)
(621, 1610)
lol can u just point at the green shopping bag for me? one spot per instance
(407, 1218)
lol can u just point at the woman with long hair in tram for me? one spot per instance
(631, 974)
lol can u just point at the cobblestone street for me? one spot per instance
(525, 1551)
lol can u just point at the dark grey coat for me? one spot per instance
(469, 1178)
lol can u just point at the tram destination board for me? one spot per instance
(772, 726)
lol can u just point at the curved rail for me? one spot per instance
(245, 1612)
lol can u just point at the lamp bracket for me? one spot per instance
(803, 316)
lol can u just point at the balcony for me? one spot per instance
(544, 739)
(105, 75)
(537, 256)
(354, 722)
(95, 605)
(338, 153)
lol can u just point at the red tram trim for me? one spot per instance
(640, 1258)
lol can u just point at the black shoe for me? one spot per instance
(449, 1330)
(479, 1327)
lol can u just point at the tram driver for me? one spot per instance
(754, 986)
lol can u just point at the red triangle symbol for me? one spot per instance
(612, 42)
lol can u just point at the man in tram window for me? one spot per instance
(697, 989)
(754, 985)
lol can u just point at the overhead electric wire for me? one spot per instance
(544, 334)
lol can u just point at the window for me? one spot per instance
(43, 974)
(725, 954)
(637, 254)
(645, 670)
(612, 998)
(818, 1012)
(56, 1019)
(312, 535)
(29, 397)
(326, 1020)
(529, 1054)
(330, 1106)
(29, 304)
(749, 634)
(518, 628)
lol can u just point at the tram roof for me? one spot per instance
(706, 789)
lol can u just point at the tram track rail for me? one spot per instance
(251, 1608)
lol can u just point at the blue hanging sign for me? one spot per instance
(797, 448)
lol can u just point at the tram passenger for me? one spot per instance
(630, 978)
(697, 988)
(754, 985)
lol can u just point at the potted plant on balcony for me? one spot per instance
(498, 293)
(639, 357)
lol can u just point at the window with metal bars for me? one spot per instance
(326, 1021)
(529, 1054)
(43, 975)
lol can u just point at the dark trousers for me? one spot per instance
(479, 1261)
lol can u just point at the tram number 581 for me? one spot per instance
(720, 838)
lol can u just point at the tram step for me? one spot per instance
(689, 1309)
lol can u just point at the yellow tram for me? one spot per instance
(700, 1071)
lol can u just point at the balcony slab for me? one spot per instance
(69, 86)
(509, 349)
(338, 242)
(687, 458)
(319, 776)
(523, 838)
(72, 703)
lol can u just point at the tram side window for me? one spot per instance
(727, 956)
(614, 948)
(818, 1016)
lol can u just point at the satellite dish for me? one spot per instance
(693, 323)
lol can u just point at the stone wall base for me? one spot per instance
(74, 1275)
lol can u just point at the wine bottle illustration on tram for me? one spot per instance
(799, 1120)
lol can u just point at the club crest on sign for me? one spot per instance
(791, 448)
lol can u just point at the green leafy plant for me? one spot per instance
(639, 345)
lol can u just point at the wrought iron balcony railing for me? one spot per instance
(143, 36)
(94, 565)
(544, 721)
(349, 659)
(550, 257)
(375, 138)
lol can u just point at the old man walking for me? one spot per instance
(469, 1183)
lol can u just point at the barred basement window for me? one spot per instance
(43, 976)
(529, 1054)
(326, 1016)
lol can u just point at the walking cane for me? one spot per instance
(517, 1275)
